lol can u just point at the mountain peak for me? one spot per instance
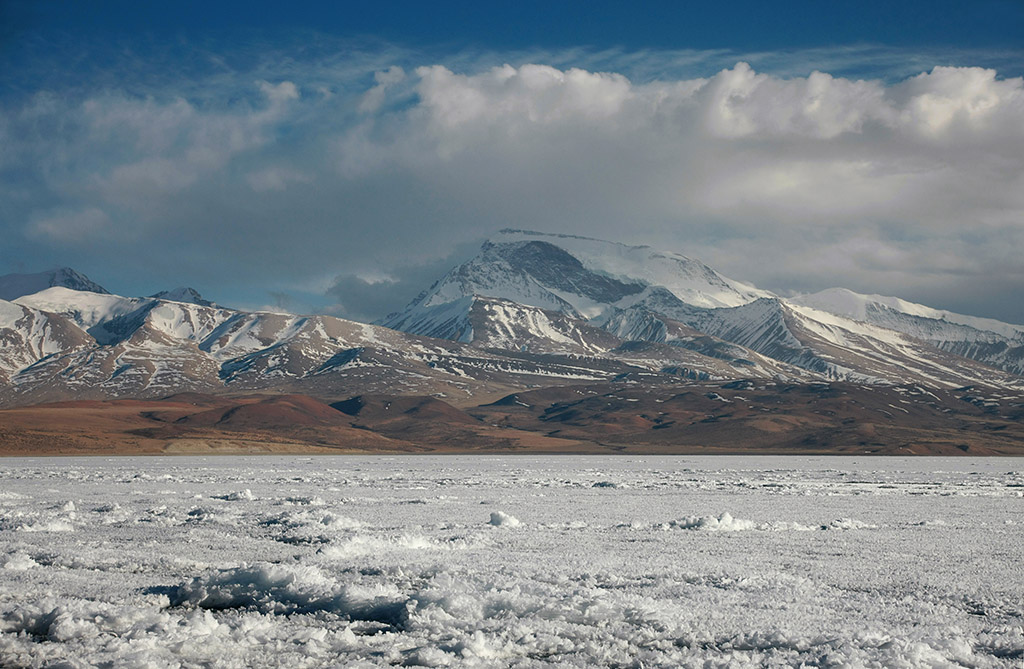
(580, 277)
(184, 294)
(13, 286)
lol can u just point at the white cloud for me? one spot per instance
(280, 92)
(532, 94)
(374, 98)
(742, 103)
(737, 145)
(149, 177)
(739, 155)
(968, 100)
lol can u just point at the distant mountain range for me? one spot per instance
(530, 310)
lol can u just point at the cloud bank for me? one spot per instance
(347, 184)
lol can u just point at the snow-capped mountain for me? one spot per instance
(639, 294)
(983, 339)
(530, 310)
(13, 286)
(66, 344)
(580, 277)
(841, 348)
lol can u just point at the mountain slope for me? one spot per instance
(28, 335)
(842, 349)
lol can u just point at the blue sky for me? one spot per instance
(748, 25)
(339, 156)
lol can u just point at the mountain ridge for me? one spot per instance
(531, 309)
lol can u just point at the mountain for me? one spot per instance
(841, 348)
(530, 311)
(13, 286)
(552, 292)
(580, 277)
(983, 339)
(62, 344)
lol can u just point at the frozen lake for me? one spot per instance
(511, 561)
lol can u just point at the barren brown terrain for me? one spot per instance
(735, 417)
(747, 417)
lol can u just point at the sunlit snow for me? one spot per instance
(511, 561)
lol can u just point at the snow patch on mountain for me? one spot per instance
(441, 319)
(510, 326)
(28, 335)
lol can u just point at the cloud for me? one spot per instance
(749, 153)
(533, 95)
(386, 79)
(741, 103)
(365, 166)
(968, 101)
(279, 93)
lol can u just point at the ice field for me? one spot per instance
(511, 561)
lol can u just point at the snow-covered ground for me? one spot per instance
(511, 561)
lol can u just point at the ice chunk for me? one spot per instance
(236, 496)
(19, 562)
(723, 523)
(849, 524)
(287, 589)
(502, 519)
(54, 525)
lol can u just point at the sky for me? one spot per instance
(340, 157)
